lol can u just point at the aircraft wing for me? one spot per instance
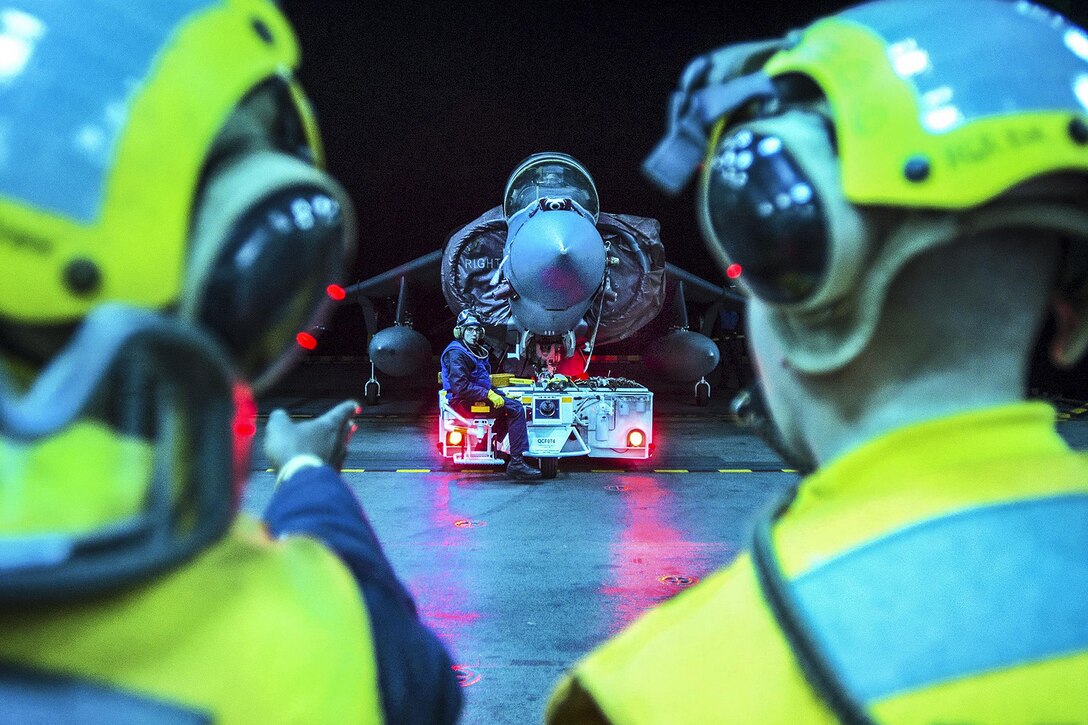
(387, 284)
(397, 348)
(700, 290)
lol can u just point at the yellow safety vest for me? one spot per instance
(716, 653)
(251, 631)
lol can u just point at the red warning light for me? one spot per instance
(245, 428)
(306, 340)
(335, 292)
(733, 271)
(636, 438)
(466, 676)
(454, 437)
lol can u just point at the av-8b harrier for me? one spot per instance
(553, 278)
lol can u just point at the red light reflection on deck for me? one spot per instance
(466, 676)
(442, 591)
(469, 523)
(646, 552)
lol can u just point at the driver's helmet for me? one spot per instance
(466, 319)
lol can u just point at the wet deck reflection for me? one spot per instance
(520, 580)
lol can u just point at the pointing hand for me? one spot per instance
(325, 437)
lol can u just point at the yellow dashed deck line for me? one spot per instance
(734, 470)
(789, 470)
(607, 470)
(671, 470)
(342, 470)
(413, 470)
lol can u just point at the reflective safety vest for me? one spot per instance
(251, 631)
(979, 591)
(938, 574)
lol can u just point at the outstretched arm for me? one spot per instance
(414, 670)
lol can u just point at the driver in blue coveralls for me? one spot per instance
(466, 377)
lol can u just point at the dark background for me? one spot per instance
(425, 110)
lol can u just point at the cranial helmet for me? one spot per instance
(465, 318)
(153, 160)
(834, 156)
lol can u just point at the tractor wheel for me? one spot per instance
(548, 467)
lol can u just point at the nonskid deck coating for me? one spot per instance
(520, 580)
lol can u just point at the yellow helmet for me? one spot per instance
(928, 115)
(833, 156)
(153, 158)
(107, 131)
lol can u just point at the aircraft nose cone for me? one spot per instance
(556, 259)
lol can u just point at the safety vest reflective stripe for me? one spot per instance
(251, 630)
(980, 590)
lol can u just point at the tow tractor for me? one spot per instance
(599, 417)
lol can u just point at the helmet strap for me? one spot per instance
(187, 382)
(713, 86)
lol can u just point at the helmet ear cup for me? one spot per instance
(771, 202)
(269, 234)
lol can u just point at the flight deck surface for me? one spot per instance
(520, 580)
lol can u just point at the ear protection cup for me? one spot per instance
(269, 234)
(771, 201)
(465, 318)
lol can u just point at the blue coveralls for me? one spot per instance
(467, 380)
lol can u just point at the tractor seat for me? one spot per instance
(476, 410)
